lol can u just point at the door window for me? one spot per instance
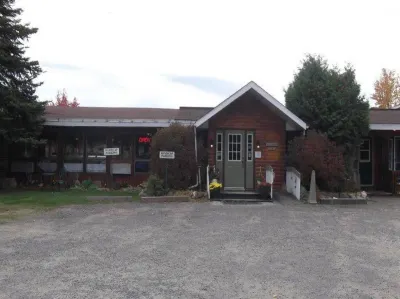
(234, 147)
(365, 151)
(250, 147)
(219, 147)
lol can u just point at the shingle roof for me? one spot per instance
(110, 113)
(384, 116)
(192, 113)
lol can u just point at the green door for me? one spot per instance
(235, 160)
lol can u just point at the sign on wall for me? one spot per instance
(111, 151)
(167, 155)
(257, 154)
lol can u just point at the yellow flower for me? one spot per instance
(215, 185)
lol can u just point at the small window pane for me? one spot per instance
(365, 145)
(141, 166)
(230, 156)
(364, 155)
(219, 156)
(390, 155)
(143, 145)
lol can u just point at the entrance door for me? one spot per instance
(366, 177)
(235, 160)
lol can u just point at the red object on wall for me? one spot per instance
(144, 140)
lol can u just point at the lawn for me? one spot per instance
(20, 203)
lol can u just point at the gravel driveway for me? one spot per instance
(204, 250)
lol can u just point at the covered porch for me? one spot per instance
(379, 155)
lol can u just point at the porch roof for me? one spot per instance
(264, 96)
(384, 119)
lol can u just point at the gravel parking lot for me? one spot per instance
(204, 250)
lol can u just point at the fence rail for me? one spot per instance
(293, 182)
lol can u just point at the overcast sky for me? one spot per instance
(196, 53)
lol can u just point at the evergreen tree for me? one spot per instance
(329, 101)
(21, 115)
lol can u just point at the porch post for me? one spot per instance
(60, 149)
(109, 177)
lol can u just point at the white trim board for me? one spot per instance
(266, 97)
(384, 127)
(134, 123)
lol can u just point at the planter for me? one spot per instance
(216, 193)
(264, 191)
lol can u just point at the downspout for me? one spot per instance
(195, 153)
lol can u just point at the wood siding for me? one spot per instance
(247, 113)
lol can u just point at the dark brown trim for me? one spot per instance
(84, 137)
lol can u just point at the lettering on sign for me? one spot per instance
(111, 151)
(167, 155)
(144, 139)
(257, 154)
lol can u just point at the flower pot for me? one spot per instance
(264, 191)
(215, 193)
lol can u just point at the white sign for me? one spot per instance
(111, 151)
(257, 154)
(167, 155)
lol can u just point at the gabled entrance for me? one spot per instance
(249, 130)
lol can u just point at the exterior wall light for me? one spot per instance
(258, 144)
(211, 143)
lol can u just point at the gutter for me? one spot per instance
(198, 180)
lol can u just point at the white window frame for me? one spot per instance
(252, 146)
(391, 153)
(236, 151)
(221, 142)
(368, 150)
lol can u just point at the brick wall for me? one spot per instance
(247, 113)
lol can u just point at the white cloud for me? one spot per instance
(123, 51)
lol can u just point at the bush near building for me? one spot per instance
(316, 152)
(182, 170)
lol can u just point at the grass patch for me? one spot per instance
(18, 203)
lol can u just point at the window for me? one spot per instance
(121, 164)
(143, 145)
(124, 143)
(142, 153)
(390, 154)
(234, 147)
(73, 153)
(141, 166)
(250, 147)
(397, 153)
(365, 151)
(219, 151)
(96, 161)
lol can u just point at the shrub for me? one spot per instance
(86, 184)
(155, 186)
(183, 169)
(316, 152)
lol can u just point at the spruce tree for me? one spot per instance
(21, 114)
(329, 100)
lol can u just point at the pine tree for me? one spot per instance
(329, 101)
(21, 114)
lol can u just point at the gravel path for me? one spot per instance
(204, 250)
